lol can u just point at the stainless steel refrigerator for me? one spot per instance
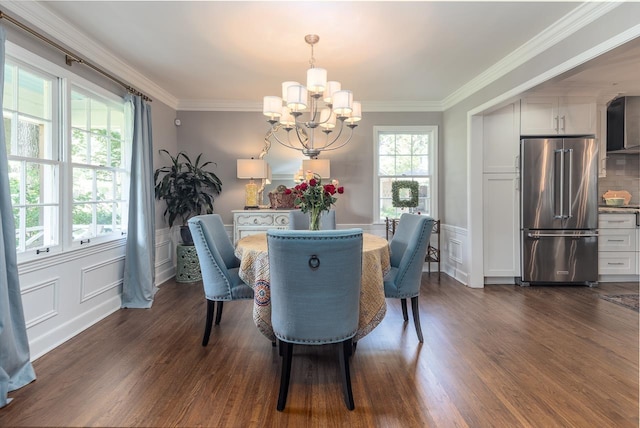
(559, 211)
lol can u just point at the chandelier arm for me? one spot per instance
(275, 135)
(337, 136)
(327, 148)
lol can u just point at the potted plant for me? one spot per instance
(187, 188)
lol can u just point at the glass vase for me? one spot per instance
(314, 219)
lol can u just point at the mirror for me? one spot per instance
(284, 163)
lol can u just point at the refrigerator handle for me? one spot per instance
(561, 188)
(538, 235)
(570, 185)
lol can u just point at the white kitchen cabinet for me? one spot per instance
(250, 222)
(558, 116)
(501, 136)
(618, 247)
(501, 225)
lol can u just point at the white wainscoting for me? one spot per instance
(453, 254)
(63, 295)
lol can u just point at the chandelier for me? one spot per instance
(327, 108)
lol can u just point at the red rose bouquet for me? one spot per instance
(313, 197)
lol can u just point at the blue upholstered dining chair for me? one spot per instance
(300, 221)
(315, 295)
(408, 249)
(219, 266)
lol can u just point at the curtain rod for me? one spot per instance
(70, 57)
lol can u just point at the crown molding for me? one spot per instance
(402, 106)
(42, 19)
(254, 106)
(219, 105)
(556, 32)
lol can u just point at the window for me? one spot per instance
(405, 154)
(30, 120)
(68, 158)
(99, 170)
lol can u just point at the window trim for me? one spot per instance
(426, 129)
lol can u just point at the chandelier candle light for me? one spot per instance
(286, 113)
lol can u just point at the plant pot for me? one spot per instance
(185, 235)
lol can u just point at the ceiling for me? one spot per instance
(203, 54)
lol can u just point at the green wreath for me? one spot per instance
(404, 201)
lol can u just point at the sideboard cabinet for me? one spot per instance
(250, 222)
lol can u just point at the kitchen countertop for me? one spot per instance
(618, 210)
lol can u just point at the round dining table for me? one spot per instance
(254, 270)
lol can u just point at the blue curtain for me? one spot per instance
(139, 265)
(15, 365)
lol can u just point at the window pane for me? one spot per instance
(116, 153)
(34, 227)
(421, 165)
(15, 178)
(30, 138)
(105, 218)
(120, 217)
(403, 144)
(98, 115)
(385, 187)
(117, 124)
(104, 185)
(7, 131)
(387, 144)
(387, 165)
(79, 111)
(82, 221)
(387, 209)
(99, 149)
(119, 187)
(79, 146)
(403, 165)
(41, 184)
(40, 227)
(34, 95)
(420, 144)
(82, 184)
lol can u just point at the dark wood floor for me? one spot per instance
(502, 356)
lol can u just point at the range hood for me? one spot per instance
(623, 125)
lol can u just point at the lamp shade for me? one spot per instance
(342, 102)
(322, 167)
(252, 168)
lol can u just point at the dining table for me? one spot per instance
(254, 270)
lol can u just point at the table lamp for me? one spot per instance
(251, 169)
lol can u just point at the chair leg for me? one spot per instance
(403, 303)
(344, 353)
(219, 312)
(287, 351)
(207, 324)
(416, 317)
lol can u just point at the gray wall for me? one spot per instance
(224, 137)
